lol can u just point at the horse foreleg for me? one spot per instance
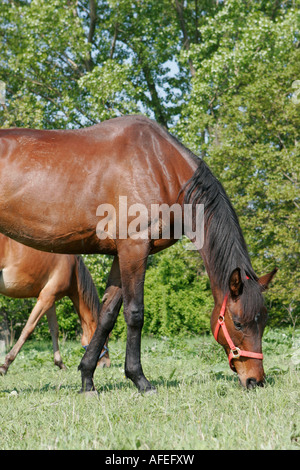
(53, 327)
(43, 304)
(110, 307)
(133, 260)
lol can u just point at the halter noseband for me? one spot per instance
(102, 354)
(235, 352)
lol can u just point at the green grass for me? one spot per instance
(199, 405)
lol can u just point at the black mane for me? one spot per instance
(224, 244)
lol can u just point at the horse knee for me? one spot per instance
(134, 316)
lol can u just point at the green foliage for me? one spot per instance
(13, 316)
(177, 295)
(178, 300)
(241, 118)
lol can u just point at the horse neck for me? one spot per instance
(224, 248)
(216, 289)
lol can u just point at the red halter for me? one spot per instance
(235, 352)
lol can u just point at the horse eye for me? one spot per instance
(237, 325)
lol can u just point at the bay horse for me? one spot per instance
(26, 272)
(52, 185)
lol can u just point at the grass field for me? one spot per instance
(199, 404)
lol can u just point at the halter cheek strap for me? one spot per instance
(235, 352)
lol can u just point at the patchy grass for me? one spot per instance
(199, 404)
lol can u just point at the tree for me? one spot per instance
(241, 117)
(73, 63)
(217, 73)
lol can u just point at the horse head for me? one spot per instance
(239, 326)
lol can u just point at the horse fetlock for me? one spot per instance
(136, 375)
(87, 385)
(60, 364)
(86, 377)
(58, 360)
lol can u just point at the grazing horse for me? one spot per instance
(26, 272)
(57, 184)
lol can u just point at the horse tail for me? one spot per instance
(87, 289)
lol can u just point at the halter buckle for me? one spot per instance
(235, 353)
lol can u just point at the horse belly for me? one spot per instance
(14, 285)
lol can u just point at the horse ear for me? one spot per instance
(235, 283)
(266, 279)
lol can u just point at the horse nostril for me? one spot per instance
(251, 383)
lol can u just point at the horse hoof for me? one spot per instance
(151, 391)
(3, 370)
(91, 394)
(148, 391)
(88, 393)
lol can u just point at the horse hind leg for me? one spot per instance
(53, 327)
(44, 302)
